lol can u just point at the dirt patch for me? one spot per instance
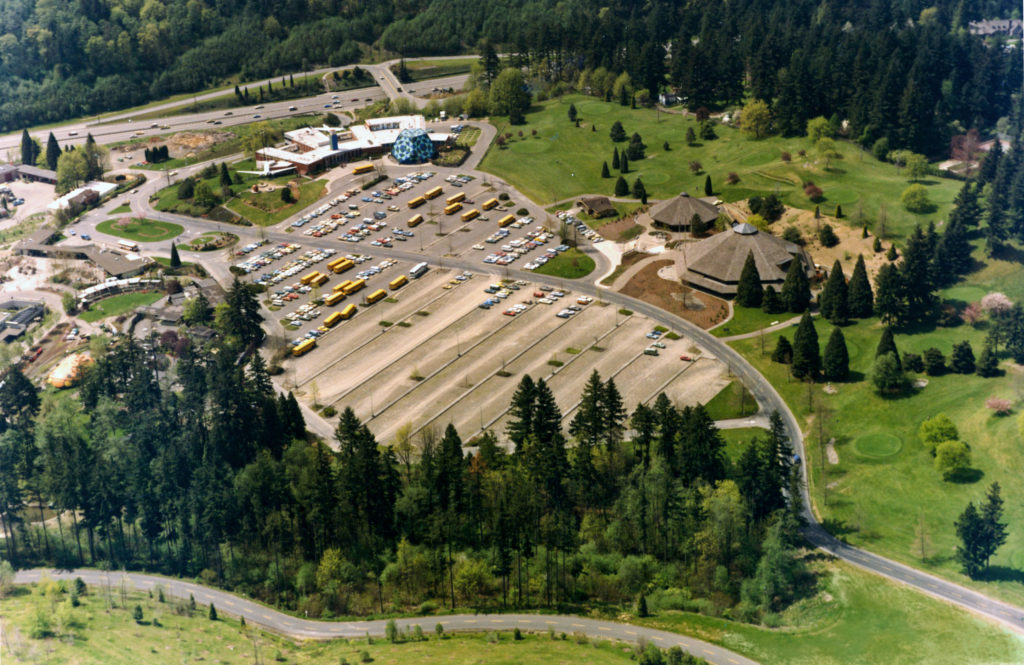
(850, 242)
(179, 145)
(695, 306)
(615, 231)
(628, 260)
(830, 452)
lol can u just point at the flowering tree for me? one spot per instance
(1000, 406)
(972, 314)
(996, 304)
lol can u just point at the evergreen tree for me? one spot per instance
(28, 149)
(697, 226)
(604, 170)
(860, 299)
(225, 176)
(708, 189)
(891, 254)
(837, 359)
(586, 425)
(617, 132)
(988, 362)
(213, 613)
(175, 259)
(770, 301)
(839, 213)
(748, 290)
(834, 306)
(615, 158)
(691, 136)
(639, 191)
(621, 188)
(887, 375)
(783, 351)
(624, 163)
(995, 532)
(966, 208)
(887, 344)
(521, 412)
(972, 550)
(916, 275)
(806, 353)
(889, 295)
(990, 164)
(962, 361)
(572, 113)
(796, 290)
(953, 255)
(52, 152)
(613, 414)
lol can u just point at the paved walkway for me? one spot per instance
(284, 624)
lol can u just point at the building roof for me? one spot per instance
(100, 188)
(716, 262)
(679, 210)
(598, 205)
(7, 168)
(26, 169)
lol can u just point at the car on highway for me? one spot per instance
(291, 108)
(256, 115)
(86, 236)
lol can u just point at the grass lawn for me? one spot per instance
(737, 440)
(570, 264)
(166, 262)
(859, 619)
(420, 70)
(120, 304)
(109, 636)
(622, 209)
(748, 319)
(468, 137)
(563, 160)
(878, 447)
(734, 401)
(121, 209)
(267, 208)
(209, 242)
(141, 230)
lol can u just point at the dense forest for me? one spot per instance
(908, 71)
(200, 469)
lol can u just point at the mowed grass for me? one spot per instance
(748, 319)
(737, 440)
(884, 494)
(570, 264)
(115, 305)
(733, 401)
(563, 161)
(141, 230)
(267, 208)
(859, 619)
(109, 636)
(422, 70)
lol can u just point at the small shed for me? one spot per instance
(597, 206)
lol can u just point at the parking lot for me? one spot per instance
(450, 345)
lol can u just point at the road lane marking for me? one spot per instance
(603, 628)
(266, 616)
(733, 660)
(497, 621)
(631, 632)
(709, 651)
(660, 639)
(577, 625)
(470, 620)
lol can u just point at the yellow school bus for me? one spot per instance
(334, 298)
(344, 285)
(455, 198)
(332, 320)
(307, 278)
(354, 286)
(490, 203)
(303, 347)
(453, 208)
(398, 282)
(417, 202)
(470, 215)
(377, 295)
(348, 311)
(341, 265)
(365, 168)
(506, 220)
(319, 280)
(415, 220)
(433, 193)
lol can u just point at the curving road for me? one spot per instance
(270, 619)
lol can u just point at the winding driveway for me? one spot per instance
(306, 629)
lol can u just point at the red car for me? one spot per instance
(686, 358)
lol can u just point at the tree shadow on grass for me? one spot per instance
(967, 476)
(1009, 253)
(838, 527)
(1002, 574)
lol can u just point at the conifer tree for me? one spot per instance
(708, 189)
(639, 191)
(604, 170)
(834, 305)
(988, 362)
(796, 290)
(52, 152)
(887, 344)
(624, 163)
(889, 295)
(615, 158)
(806, 353)
(783, 352)
(916, 275)
(621, 188)
(175, 259)
(962, 360)
(837, 359)
(770, 301)
(748, 290)
(859, 298)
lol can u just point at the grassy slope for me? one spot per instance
(733, 401)
(878, 501)
(115, 305)
(747, 319)
(266, 208)
(571, 264)
(148, 230)
(563, 161)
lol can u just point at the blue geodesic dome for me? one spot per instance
(413, 146)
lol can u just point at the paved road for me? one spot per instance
(295, 627)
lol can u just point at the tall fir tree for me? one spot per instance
(615, 158)
(783, 352)
(966, 208)
(749, 291)
(953, 255)
(796, 290)
(971, 530)
(52, 152)
(623, 163)
(988, 362)
(708, 189)
(604, 170)
(806, 353)
(889, 304)
(859, 297)
(834, 305)
(995, 531)
(836, 364)
(917, 275)
(990, 164)
(887, 344)
(621, 188)
(771, 303)
(175, 259)
(28, 149)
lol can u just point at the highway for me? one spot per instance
(305, 629)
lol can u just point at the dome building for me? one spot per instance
(413, 146)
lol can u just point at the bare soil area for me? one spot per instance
(695, 306)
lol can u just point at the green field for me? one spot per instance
(267, 208)
(422, 70)
(571, 264)
(748, 319)
(104, 635)
(141, 230)
(115, 305)
(737, 440)
(878, 447)
(124, 207)
(733, 401)
(859, 619)
(563, 160)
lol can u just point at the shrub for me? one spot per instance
(785, 156)
(517, 634)
(913, 362)
(813, 192)
(137, 614)
(732, 178)
(792, 234)
(952, 457)
(972, 314)
(329, 412)
(522, 212)
(915, 199)
(1000, 406)
(696, 167)
(827, 237)
(365, 657)
(934, 362)
(503, 196)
